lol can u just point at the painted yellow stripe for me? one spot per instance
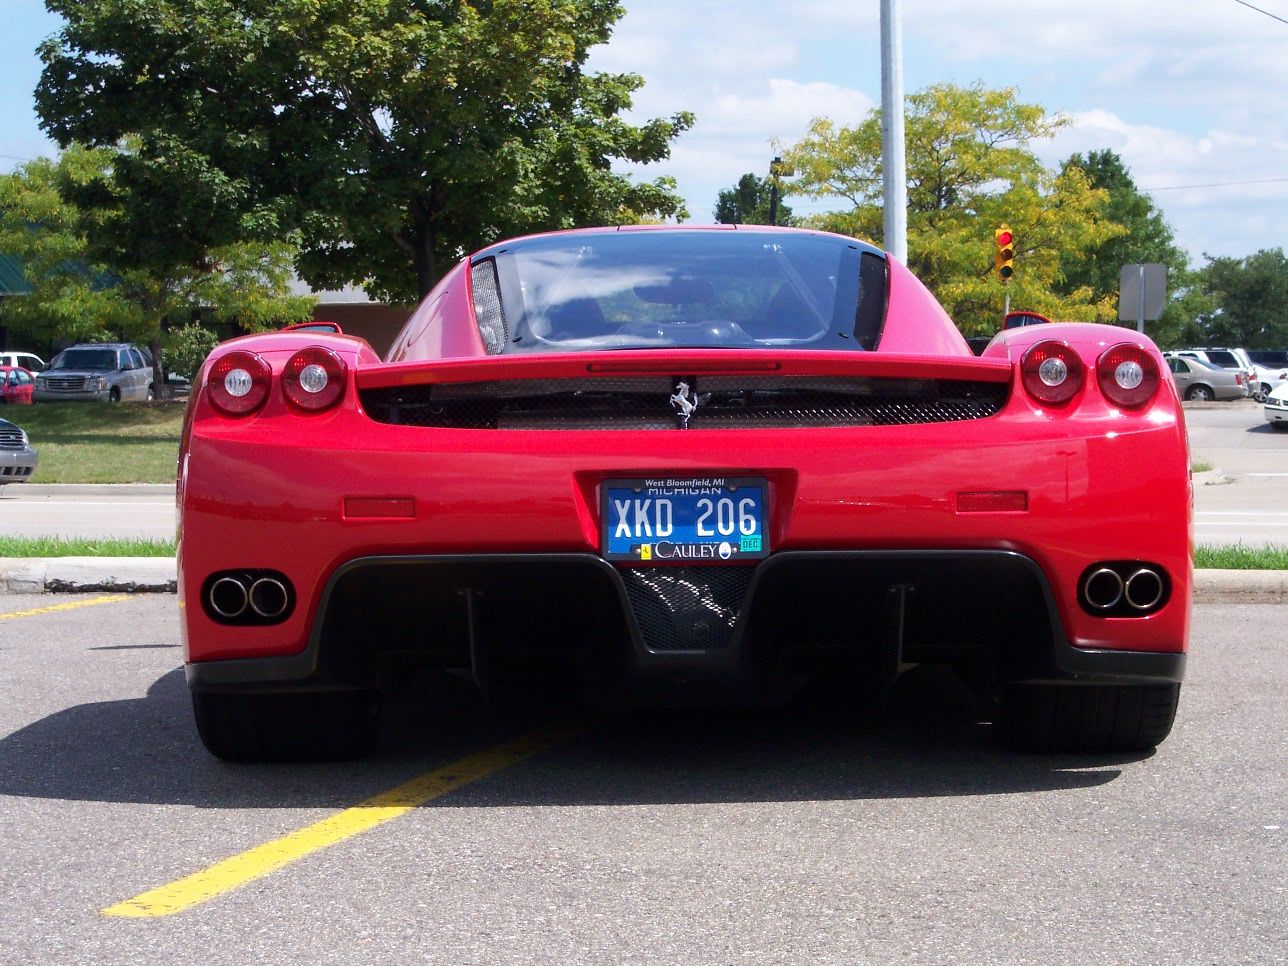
(70, 605)
(271, 856)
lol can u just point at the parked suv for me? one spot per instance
(25, 360)
(96, 371)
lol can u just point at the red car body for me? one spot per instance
(449, 506)
(16, 385)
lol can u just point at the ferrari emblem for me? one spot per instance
(684, 402)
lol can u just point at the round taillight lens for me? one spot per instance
(1052, 372)
(1128, 375)
(238, 383)
(314, 378)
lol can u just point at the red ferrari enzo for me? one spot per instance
(684, 465)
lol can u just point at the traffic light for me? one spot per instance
(1004, 255)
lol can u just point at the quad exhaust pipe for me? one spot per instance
(248, 597)
(1123, 588)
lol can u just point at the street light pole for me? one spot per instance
(894, 180)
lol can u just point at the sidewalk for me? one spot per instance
(38, 575)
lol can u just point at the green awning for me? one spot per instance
(12, 281)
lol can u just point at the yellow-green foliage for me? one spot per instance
(970, 169)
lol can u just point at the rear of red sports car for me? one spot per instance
(684, 465)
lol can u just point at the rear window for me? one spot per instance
(1225, 360)
(649, 289)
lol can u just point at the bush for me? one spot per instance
(186, 348)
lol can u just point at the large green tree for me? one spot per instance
(87, 280)
(1251, 300)
(970, 169)
(749, 203)
(1146, 238)
(393, 134)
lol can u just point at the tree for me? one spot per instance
(395, 135)
(97, 273)
(1146, 239)
(1251, 300)
(748, 203)
(970, 169)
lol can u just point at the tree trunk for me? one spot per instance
(159, 388)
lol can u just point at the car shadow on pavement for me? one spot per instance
(927, 742)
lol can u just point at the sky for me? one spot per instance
(1192, 94)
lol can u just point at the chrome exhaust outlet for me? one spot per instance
(268, 597)
(1103, 589)
(227, 597)
(1144, 589)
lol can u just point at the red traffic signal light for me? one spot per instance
(1004, 254)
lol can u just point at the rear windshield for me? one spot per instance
(645, 289)
(98, 359)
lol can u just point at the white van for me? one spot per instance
(28, 360)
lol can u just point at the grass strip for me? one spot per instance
(1240, 556)
(81, 547)
(102, 442)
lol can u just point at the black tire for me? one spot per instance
(304, 726)
(114, 394)
(1085, 717)
(151, 395)
(1263, 390)
(1200, 393)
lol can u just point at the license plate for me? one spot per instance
(685, 519)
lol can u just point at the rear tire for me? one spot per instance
(1085, 717)
(302, 726)
(1200, 394)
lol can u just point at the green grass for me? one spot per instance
(1241, 557)
(101, 442)
(1200, 466)
(81, 547)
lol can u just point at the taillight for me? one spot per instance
(238, 383)
(314, 378)
(1128, 375)
(1052, 372)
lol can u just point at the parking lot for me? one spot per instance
(544, 833)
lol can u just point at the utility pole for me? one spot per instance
(894, 179)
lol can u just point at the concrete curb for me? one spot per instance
(131, 575)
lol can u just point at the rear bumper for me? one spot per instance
(704, 631)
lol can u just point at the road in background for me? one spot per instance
(803, 835)
(1243, 500)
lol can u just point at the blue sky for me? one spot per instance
(1190, 93)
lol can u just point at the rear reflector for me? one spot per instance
(380, 507)
(993, 501)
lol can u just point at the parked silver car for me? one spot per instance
(97, 371)
(1199, 380)
(17, 458)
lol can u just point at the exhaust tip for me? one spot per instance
(227, 597)
(1144, 589)
(268, 597)
(1103, 589)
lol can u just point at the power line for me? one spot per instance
(1259, 10)
(1215, 184)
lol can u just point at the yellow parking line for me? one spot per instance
(70, 605)
(263, 859)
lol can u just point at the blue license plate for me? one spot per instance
(685, 519)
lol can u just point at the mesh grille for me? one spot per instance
(724, 402)
(686, 608)
(487, 305)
